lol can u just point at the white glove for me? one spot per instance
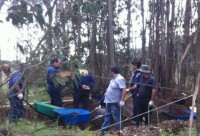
(20, 96)
(121, 103)
(127, 89)
(151, 103)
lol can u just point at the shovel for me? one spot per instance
(100, 116)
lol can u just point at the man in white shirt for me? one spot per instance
(114, 99)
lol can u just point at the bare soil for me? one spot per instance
(160, 122)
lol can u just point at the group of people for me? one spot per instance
(82, 86)
(142, 87)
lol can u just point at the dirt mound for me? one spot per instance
(169, 125)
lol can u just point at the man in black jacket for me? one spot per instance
(147, 93)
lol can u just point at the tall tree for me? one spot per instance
(143, 33)
(186, 27)
(110, 46)
(93, 45)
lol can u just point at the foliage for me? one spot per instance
(42, 129)
(39, 17)
(183, 132)
(19, 14)
(38, 94)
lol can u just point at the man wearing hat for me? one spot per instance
(146, 94)
(83, 87)
(114, 99)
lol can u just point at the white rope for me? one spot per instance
(145, 112)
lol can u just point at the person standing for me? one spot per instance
(114, 99)
(83, 86)
(134, 87)
(54, 91)
(15, 94)
(146, 94)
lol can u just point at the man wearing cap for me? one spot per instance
(134, 87)
(16, 94)
(146, 94)
(114, 99)
(83, 86)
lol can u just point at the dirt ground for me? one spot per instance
(160, 122)
(154, 130)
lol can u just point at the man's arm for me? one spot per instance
(153, 94)
(123, 94)
(154, 89)
(17, 88)
(133, 87)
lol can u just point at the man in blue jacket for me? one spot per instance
(134, 87)
(83, 86)
(53, 90)
(15, 94)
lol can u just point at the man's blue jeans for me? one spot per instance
(16, 109)
(114, 109)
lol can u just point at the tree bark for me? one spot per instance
(143, 33)
(110, 46)
(186, 27)
(93, 43)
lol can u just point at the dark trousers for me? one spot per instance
(135, 108)
(16, 109)
(56, 98)
(81, 98)
(143, 108)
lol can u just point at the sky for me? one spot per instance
(8, 36)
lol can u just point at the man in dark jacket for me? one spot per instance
(83, 85)
(134, 87)
(147, 93)
(53, 90)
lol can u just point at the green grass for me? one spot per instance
(183, 132)
(41, 129)
(38, 94)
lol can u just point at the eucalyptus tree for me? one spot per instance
(186, 27)
(110, 34)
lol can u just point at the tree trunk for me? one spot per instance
(128, 26)
(93, 44)
(169, 66)
(156, 51)
(129, 22)
(110, 46)
(49, 30)
(143, 59)
(186, 27)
